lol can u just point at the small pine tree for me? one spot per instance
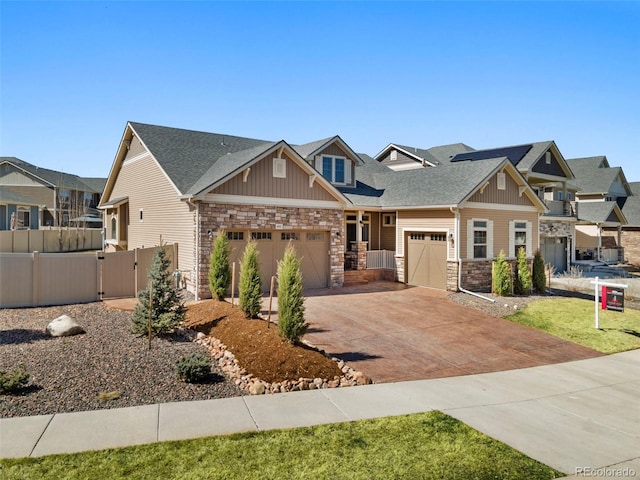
(522, 280)
(250, 295)
(539, 277)
(219, 270)
(167, 310)
(501, 276)
(291, 322)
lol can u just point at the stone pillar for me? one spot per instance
(360, 251)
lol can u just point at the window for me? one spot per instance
(335, 169)
(88, 199)
(559, 195)
(480, 239)
(64, 198)
(235, 235)
(502, 181)
(389, 220)
(438, 237)
(315, 236)
(289, 236)
(520, 236)
(568, 195)
(114, 227)
(22, 216)
(260, 235)
(417, 236)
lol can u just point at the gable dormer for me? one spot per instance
(398, 158)
(334, 159)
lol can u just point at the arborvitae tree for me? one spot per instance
(250, 295)
(291, 322)
(539, 277)
(167, 310)
(219, 270)
(522, 280)
(501, 276)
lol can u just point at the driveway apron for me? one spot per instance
(393, 332)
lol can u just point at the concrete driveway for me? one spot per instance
(393, 333)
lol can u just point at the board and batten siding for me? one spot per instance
(510, 195)
(149, 190)
(260, 182)
(436, 221)
(500, 228)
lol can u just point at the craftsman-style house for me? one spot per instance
(438, 225)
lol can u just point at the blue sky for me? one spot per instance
(422, 74)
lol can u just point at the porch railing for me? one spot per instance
(377, 259)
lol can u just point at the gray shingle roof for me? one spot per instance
(187, 155)
(598, 180)
(596, 212)
(442, 186)
(581, 166)
(307, 149)
(444, 153)
(56, 178)
(9, 196)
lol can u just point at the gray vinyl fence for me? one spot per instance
(43, 279)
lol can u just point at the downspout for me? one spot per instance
(456, 226)
(197, 246)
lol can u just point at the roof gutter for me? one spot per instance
(456, 212)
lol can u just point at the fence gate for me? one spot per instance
(117, 274)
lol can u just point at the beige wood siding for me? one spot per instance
(374, 229)
(261, 183)
(163, 213)
(135, 149)
(401, 159)
(13, 176)
(439, 221)
(500, 219)
(510, 195)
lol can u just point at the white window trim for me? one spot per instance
(512, 237)
(348, 167)
(470, 243)
(392, 216)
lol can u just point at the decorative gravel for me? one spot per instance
(68, 374)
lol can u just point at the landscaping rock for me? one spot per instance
(257, 388)
(64, 326)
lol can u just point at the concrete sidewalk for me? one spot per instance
(575, 415)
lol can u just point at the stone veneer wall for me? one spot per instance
(260, 217)
(452, 276)
(630, 241)
(555, 229)
(476, 275)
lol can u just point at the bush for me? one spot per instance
(501, 276)
(522, 280)
(13, 381)
(166, 309)
(219, 270)
(193, 368)
(539, 277)
(250, 294)
(291, 322)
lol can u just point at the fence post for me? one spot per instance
(35, 272)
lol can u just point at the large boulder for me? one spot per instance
(64, 326)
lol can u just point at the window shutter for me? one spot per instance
(529, 239)
(319, 163)
(512, 238)
(490, 239)
(470, 238)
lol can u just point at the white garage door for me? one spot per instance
(312, 247)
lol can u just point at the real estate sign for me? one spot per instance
(612, 299)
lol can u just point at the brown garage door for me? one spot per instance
(426, 259)
(312, 247)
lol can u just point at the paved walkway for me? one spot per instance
(577, 415)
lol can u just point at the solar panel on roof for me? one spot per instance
(514, 154)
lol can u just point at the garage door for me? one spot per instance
(426, 259)
(312, 247)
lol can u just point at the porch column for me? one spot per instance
(360, 253)
(359, 227)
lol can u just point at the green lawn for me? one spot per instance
(420, 446)
(574, 319)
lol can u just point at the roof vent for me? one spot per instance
(222, 142)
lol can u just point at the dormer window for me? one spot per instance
(336, 169)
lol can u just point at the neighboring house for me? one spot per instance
(39, 197)
(630, 232)
(439, 224)
(542, 166)
(601, 191)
